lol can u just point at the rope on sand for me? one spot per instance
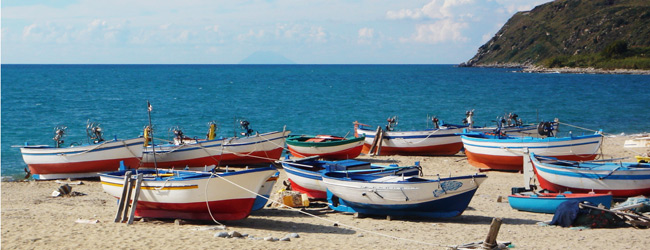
(327, 220)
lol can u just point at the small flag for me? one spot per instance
(149, 106)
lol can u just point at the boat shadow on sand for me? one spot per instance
(262, 223)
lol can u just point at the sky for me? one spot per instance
(229, 32)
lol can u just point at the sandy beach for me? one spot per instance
(32, 219)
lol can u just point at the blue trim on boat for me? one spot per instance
(181, 174)
(570, 173)
(441, 208)
(160, 150)
(81, 151)
(545, 146)
(473, 136)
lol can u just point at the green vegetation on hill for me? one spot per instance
(575, 33)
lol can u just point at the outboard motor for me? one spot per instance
(247, 131)
(545, 129)
(212, 130)
(59, 131)
(392, 121)
(178, 135)
(94, 133)
(469, 120)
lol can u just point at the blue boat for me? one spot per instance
(401, 195)
(548, 202)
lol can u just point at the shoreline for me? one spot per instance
(32, 219)
(529, 68)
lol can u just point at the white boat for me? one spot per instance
(179, 194)
(401, 195)
(495, 151)
(81, 161)
(196, 154)
(437, 141)
(621, 179)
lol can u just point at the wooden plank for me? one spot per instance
(381, 139)
(373, 145)
(127, 199)
(134, 202)
(120, 206)
(491, 239)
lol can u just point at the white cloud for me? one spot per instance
(436, 9)
(440, 31)
(317, 34)
(213, 28)
(366, 35)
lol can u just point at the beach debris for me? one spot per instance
(62, 190)
(490, 241)
(69, 182)
(65, 190)
(293, 199)
(360, 235)
(86, 221)
(222, 234)
(235, 234)
(285, 239)
(219, 227)
(292, 235)
(179, 222)
(272, 239)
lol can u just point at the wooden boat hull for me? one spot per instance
(429, 142)
(47, 163)
(256, 149)
(442, 198)
(548, 202)
(490, 152)
(344, 149)
(193, 195)
(630, 179)
(310, 182)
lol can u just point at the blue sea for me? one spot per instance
(306, 99)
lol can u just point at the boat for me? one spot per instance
(192, 195)
(545, 202)
(305, 174)
(196, 154)
(621, 179)
(399, 195)
(440, 140)
(503, 152)
(80, 160)
(265, 192)
(327, 147)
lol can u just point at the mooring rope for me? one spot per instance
(327, 220)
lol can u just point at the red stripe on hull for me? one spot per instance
(446, 149)
(512, 163)
(616, 193)
(83, 167)
(235, 209)
(222, 160)
(315, 194)
(350, 153)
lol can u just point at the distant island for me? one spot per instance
(266, 57)
(589, 36)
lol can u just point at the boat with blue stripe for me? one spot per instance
(401, 195)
